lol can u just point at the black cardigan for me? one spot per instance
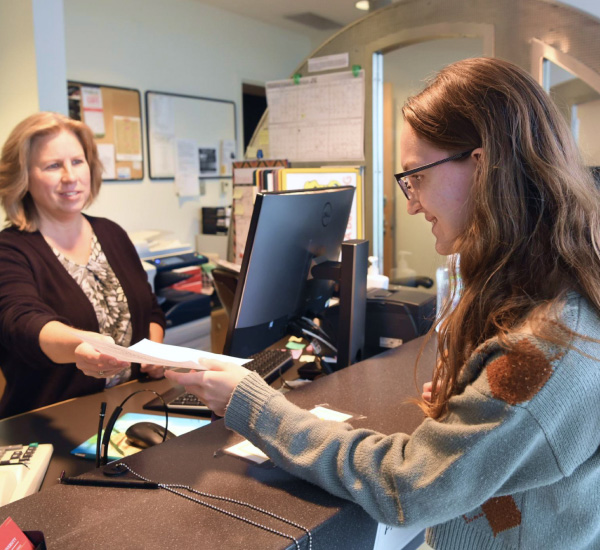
(35, 289)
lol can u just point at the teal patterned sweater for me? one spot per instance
(514, 465)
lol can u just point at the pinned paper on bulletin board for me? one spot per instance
(316, 178)
(92, 110)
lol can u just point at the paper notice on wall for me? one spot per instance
(328, 62)
(93, 111)
(320, 118)
(91, 97)
(123, 173)
(227, 156)
(128, 138)
(187, 169)
(161, 135)
(106, 153)
(162, 114)
(163, 155)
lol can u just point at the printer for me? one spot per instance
(169, 265)
(395, 316)
(154, 244)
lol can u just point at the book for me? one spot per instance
(119, 447)
(12, 538)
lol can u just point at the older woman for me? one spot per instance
(63, 272)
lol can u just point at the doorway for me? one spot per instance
(405, 73)
(254, 104)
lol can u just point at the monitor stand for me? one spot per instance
(351, 273)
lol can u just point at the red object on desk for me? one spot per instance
(193, 284)
(12, 538)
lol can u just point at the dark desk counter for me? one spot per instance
(75, 517)
(71, 422)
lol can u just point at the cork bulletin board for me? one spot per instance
(114, 115)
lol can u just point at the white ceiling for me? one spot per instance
(273, 12)
(343, 12)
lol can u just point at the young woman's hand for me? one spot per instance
(213, 386)
(153, 371)
(426, 395)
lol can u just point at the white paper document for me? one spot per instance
(329, 414)
(153, 353)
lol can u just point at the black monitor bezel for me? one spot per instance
(235, 310)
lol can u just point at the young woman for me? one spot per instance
(62, 272)
(509, 454)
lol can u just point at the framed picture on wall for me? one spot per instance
(208, 157)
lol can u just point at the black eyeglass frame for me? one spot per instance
(399, 177)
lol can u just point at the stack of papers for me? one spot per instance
(153, 353)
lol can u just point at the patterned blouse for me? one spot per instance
(102, 288)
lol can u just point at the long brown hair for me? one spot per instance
(532, 230)
(14, 164)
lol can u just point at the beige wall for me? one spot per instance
(179, 46)
(18, 67)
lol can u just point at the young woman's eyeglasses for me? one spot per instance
(402, 177)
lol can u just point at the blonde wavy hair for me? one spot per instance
(532, 229)
(14, 165)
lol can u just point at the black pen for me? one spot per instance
(99, 437)
(99, 482)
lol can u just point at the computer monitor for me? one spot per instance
(290, 233)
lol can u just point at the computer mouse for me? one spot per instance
(146, 434)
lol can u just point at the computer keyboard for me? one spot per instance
(22, 470)
(185, 401)
(269, 364)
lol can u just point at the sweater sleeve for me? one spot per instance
(23, 312)
(446, 468)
